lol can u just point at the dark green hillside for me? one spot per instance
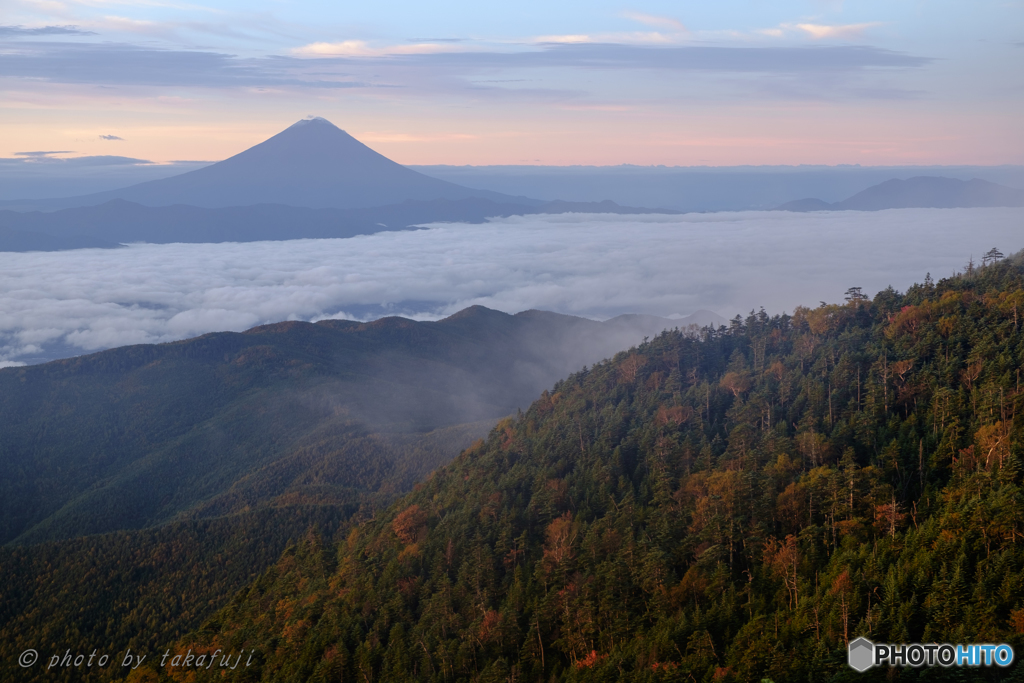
(731, 507)
(144, 588)
(137, 589)
(141, 435)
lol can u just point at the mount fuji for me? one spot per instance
(312, 164)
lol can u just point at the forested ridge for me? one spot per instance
(728, 506)
(141, 487)
(142, 435)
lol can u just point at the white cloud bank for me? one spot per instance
(63, 303)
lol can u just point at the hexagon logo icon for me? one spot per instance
(861, 654)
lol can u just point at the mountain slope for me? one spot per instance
(311, 164)
(926, 192)
(139, 589)
(297, 412)
(243, 442)
(730, 507)
(931, 192)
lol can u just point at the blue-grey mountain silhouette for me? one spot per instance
(922, 192)
(312, 163)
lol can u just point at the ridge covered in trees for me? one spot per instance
(731, 505)
(141, 487)
(142, 435)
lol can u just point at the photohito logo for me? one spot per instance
(862, 654)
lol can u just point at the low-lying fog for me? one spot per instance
(65, 303)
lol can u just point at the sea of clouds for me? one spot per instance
(55, 304)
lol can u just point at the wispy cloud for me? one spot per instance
(819, 31)
(85, 162)
(39, 155)
(360, 48)
(110, 137)
(619, 38)
(689, 58)
(126, 64)
(129, 25)
(565, 39)
(651, 20)
(144, 3)
(21, 31)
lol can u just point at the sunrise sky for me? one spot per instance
(533, 82)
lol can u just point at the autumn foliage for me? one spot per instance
(409, 524)
(733, 505)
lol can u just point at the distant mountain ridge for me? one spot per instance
(708, 188)
(140, 435)
(312, 163)
(922, 192)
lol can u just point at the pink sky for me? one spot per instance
(739, 82)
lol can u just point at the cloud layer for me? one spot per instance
(720, 83)
(355, 64)
(21, 31)
(63, 303)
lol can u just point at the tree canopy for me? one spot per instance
(731, 505)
